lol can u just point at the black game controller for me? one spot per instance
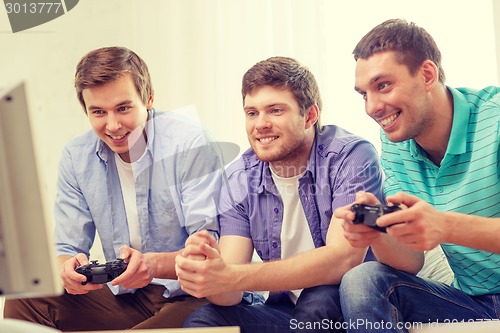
(101, 273)
(368, 215)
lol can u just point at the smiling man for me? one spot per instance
(279, 202)
(115, 111)
(142, 180)
(441, 158)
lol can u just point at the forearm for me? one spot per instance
(398, 256)
(472, 231)
(317, 267)
(164, 263)
(226, 299)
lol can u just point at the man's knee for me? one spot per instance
(208, 315)
(317, 304)
(367, 279)
(18, 309)
(364, 278)
(12, 308)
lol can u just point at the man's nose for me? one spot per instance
(373, 105)
(263, 121)
(113, 122)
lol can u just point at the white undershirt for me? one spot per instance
(127, 182)
(295, 233)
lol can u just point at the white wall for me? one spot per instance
(198, 50)
(496, 22)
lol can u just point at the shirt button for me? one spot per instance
(275, 245)
(320, 147)
(440, 189)
(276, 210)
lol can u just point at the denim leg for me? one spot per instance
(251, 318)
(374, 296)
(317, 310)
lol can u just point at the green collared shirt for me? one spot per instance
(467, 181)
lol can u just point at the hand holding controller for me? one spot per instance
(368, 215)
(101, 273)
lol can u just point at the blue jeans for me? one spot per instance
(377, 298)
(317, 309)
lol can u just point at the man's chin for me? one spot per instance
(118, 149)
(394, 137)
(265, 157)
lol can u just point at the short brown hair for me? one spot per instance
(107, 64)
(283, 72)
(412, 44)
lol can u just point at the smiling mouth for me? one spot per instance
(267, 139)
(389, 120)
(117, 137)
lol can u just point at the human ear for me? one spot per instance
(149, 104)
(430, 73)
(312, 115)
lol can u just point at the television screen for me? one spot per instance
(27, 254)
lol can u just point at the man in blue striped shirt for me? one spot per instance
(440, 154)
(143, 181)
(279, 201)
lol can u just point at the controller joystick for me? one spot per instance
(101, 273)
(368, 215)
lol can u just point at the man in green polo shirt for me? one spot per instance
(440, 154)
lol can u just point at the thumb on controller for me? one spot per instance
(125, 252)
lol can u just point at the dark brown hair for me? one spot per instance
(283, 72)
(107, 64)
(412, 44)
